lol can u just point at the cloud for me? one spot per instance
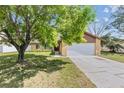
(106, 10)
(105, 19)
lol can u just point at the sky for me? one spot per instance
(104, 12)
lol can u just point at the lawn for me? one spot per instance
(44, 71)
(113, 56)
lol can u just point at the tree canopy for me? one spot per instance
(112, 43)
(118, 16)
(74, 23)
(100, 28)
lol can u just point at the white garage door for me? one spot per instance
(82, 49)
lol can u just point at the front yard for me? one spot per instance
(44, 71)
(113, 56)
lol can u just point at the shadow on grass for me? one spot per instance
(12, 75)
(108, 53)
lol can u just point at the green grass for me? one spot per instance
(113, 56)
(43, 71)
(45, 53)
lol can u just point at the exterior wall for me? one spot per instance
(60, 48)
(8, 48)
(98, 46)
(63, 48)
(5, 48)
(1, 48)
(89, 39)
(33, 46)
(28, 48)
(39, 48)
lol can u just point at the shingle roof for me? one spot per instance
(94, 36)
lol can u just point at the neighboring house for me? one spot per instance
(91, 47)
(34, 46)
(9, 48)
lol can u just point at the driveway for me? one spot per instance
(104, 73)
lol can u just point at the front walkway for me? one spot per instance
(104, 73)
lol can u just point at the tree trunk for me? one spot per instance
(21, 56)
(21, 53)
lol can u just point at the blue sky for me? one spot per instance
(103, 12)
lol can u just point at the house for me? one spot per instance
(91, 47)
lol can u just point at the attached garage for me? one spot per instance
(91, 47)
(83, 49)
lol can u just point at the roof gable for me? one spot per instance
(91, 35)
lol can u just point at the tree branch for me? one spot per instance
(10, 38)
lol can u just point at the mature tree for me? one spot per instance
(100, 28)
(118, 22)
(112, 43)
(74, 23)
(19, 25)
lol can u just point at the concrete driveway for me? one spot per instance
(104, 73)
